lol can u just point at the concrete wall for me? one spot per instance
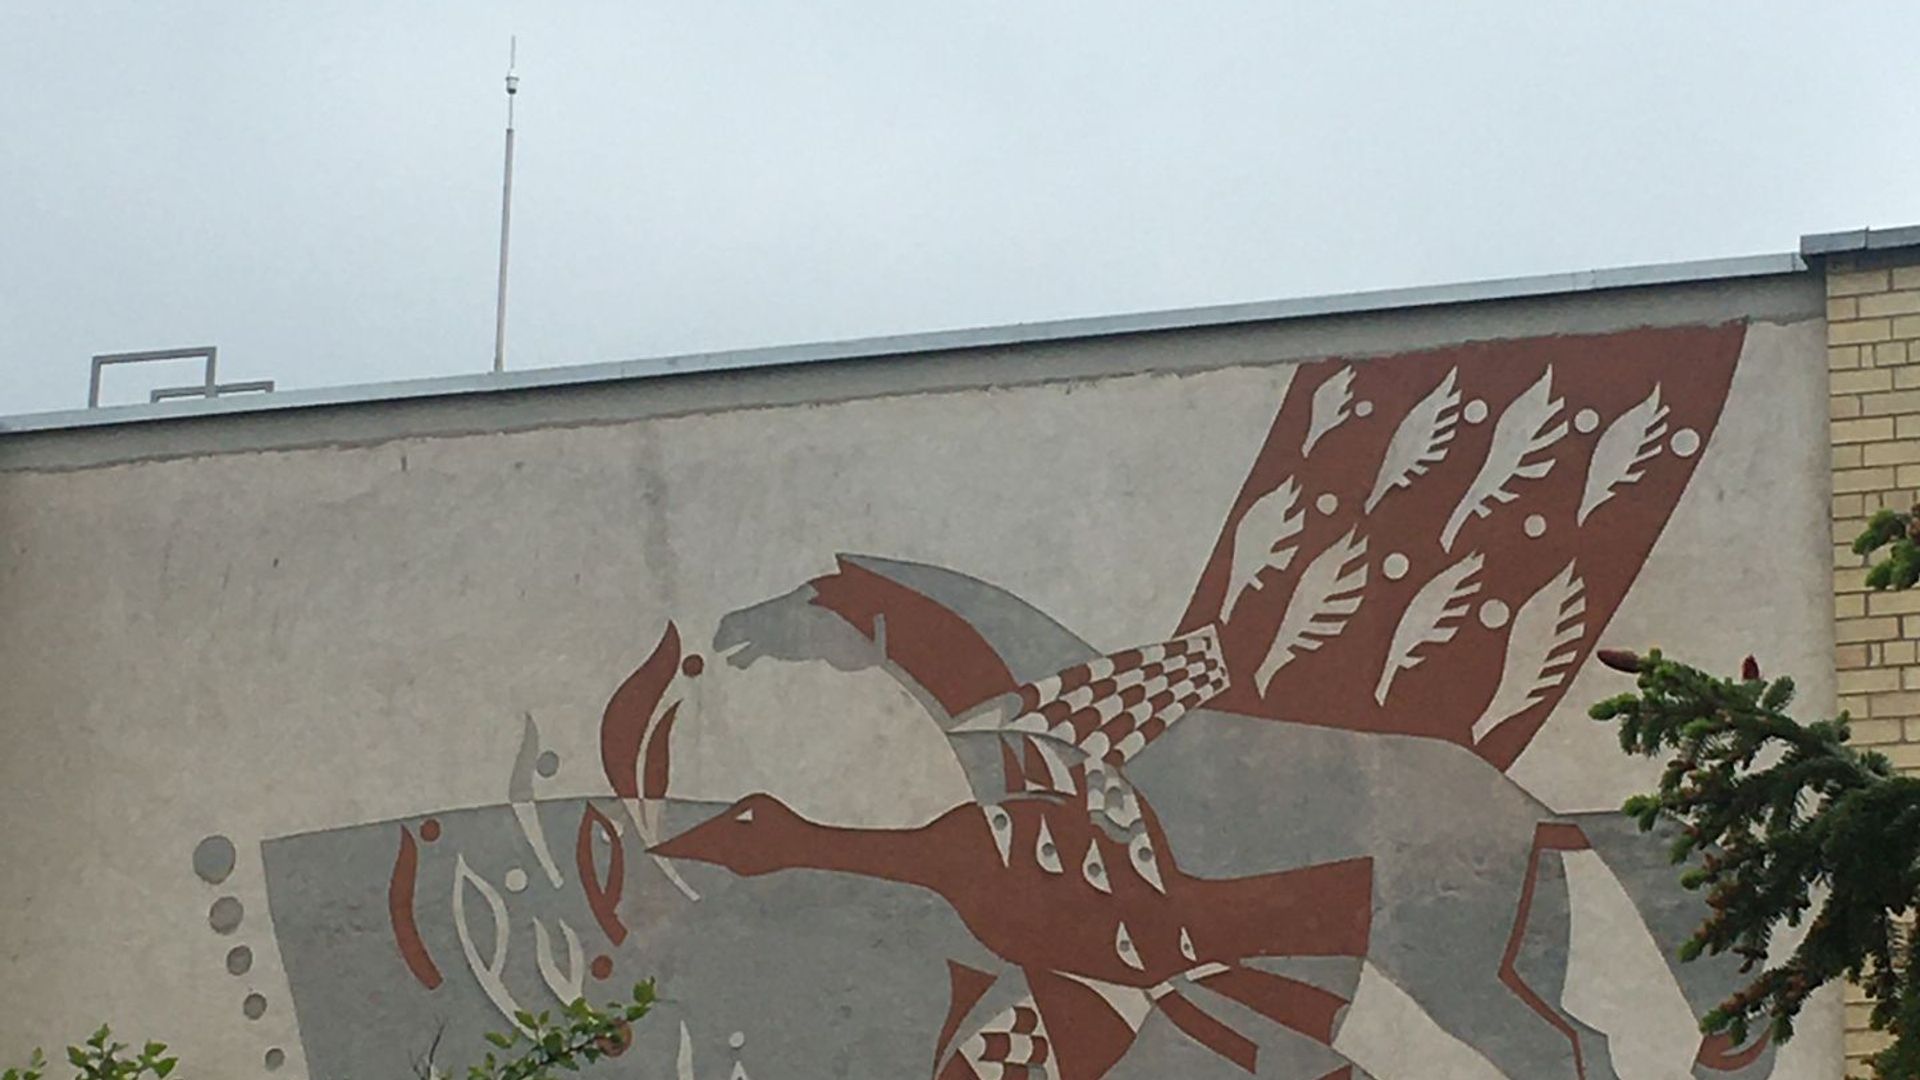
(1181, 704)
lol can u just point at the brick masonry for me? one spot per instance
(1873, 363)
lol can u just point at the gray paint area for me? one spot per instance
(824, 975)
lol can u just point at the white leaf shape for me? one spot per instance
(1330, 401)
(1324, 599)
(491, 972)
(1429, 619)
(1420, 442)
(1540, 647)
(568, 985)
(1526, 427)
(1270, 522)
(683, 1064)
(1632, 440)
(520, 796)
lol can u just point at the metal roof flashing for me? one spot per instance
(1859, 241)
(1222, 315)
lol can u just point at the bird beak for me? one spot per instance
(677, 847)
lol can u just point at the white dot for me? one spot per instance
(737, 1040)
(516, 880)
(1395, 566)
(1364, 408)
(1493, 614)
(1585, 420)
(1535, 525)
(1686, 442)
(1475, 411)
(1328, 502)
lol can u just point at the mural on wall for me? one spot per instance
(1281, 841)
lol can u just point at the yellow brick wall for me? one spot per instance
(1873, 363)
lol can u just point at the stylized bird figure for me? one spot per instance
(1067, 874)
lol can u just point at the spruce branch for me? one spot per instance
(1770, 813)
(1784, 823)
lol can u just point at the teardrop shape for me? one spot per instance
(1000, 823)
(1044, 851)
(1144, 863)
(1123, 947)
(1094, 868)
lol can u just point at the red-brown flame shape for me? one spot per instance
(623, 727)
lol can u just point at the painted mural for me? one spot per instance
(1280, 841)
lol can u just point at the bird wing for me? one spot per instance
(1111, 707)
(1431, 544)
(1067, 736)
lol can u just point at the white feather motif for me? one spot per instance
(1540, 648)
(1326, 596)
(1420, 442)
(1632, 440)
(1429, 619)
(1330, 401)
(1257, 539)
(1525, 428)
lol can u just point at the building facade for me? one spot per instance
(1194, 694)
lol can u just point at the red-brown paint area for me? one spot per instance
(1058, 921)
(940, 650)
(1718, 1052)
(406, 932)
(629, 712)
(1444, 695)
(603, 890)
(1088, 1036)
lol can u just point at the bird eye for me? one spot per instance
(745, 816)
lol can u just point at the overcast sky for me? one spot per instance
(314, 187)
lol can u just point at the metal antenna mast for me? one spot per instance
(506, 216)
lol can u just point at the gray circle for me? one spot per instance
(225, 915)
(239, 960)
(547, 763)
(213, 859)
(276, 1057)
(255, 1006)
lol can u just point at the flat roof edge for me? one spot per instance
(1852, 241)
(1016, 334)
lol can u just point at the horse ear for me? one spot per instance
(938, 649)
(1473, 516)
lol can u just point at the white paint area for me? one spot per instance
(1619, 983)
(1818, 1038)
(1766, 462)
(1391, 1037)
